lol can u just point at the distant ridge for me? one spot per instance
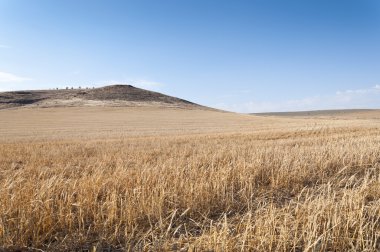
(114, 95)
(314, 113)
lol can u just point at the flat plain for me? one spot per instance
(174, 179)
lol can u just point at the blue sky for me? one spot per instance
(245, 56)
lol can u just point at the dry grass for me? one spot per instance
(250, 184)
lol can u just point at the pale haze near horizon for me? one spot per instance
(243, 56)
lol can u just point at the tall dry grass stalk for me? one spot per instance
(288, 190)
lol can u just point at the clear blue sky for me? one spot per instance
(246, 56)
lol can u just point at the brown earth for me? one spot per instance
(115, 96)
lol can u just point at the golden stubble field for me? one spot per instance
(146, 179)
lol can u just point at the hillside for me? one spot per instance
(151, 178)
(329, 114)
(115, 95)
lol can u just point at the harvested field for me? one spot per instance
(170, 179)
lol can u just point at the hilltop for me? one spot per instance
(114, 95)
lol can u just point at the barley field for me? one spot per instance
(143, 179)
